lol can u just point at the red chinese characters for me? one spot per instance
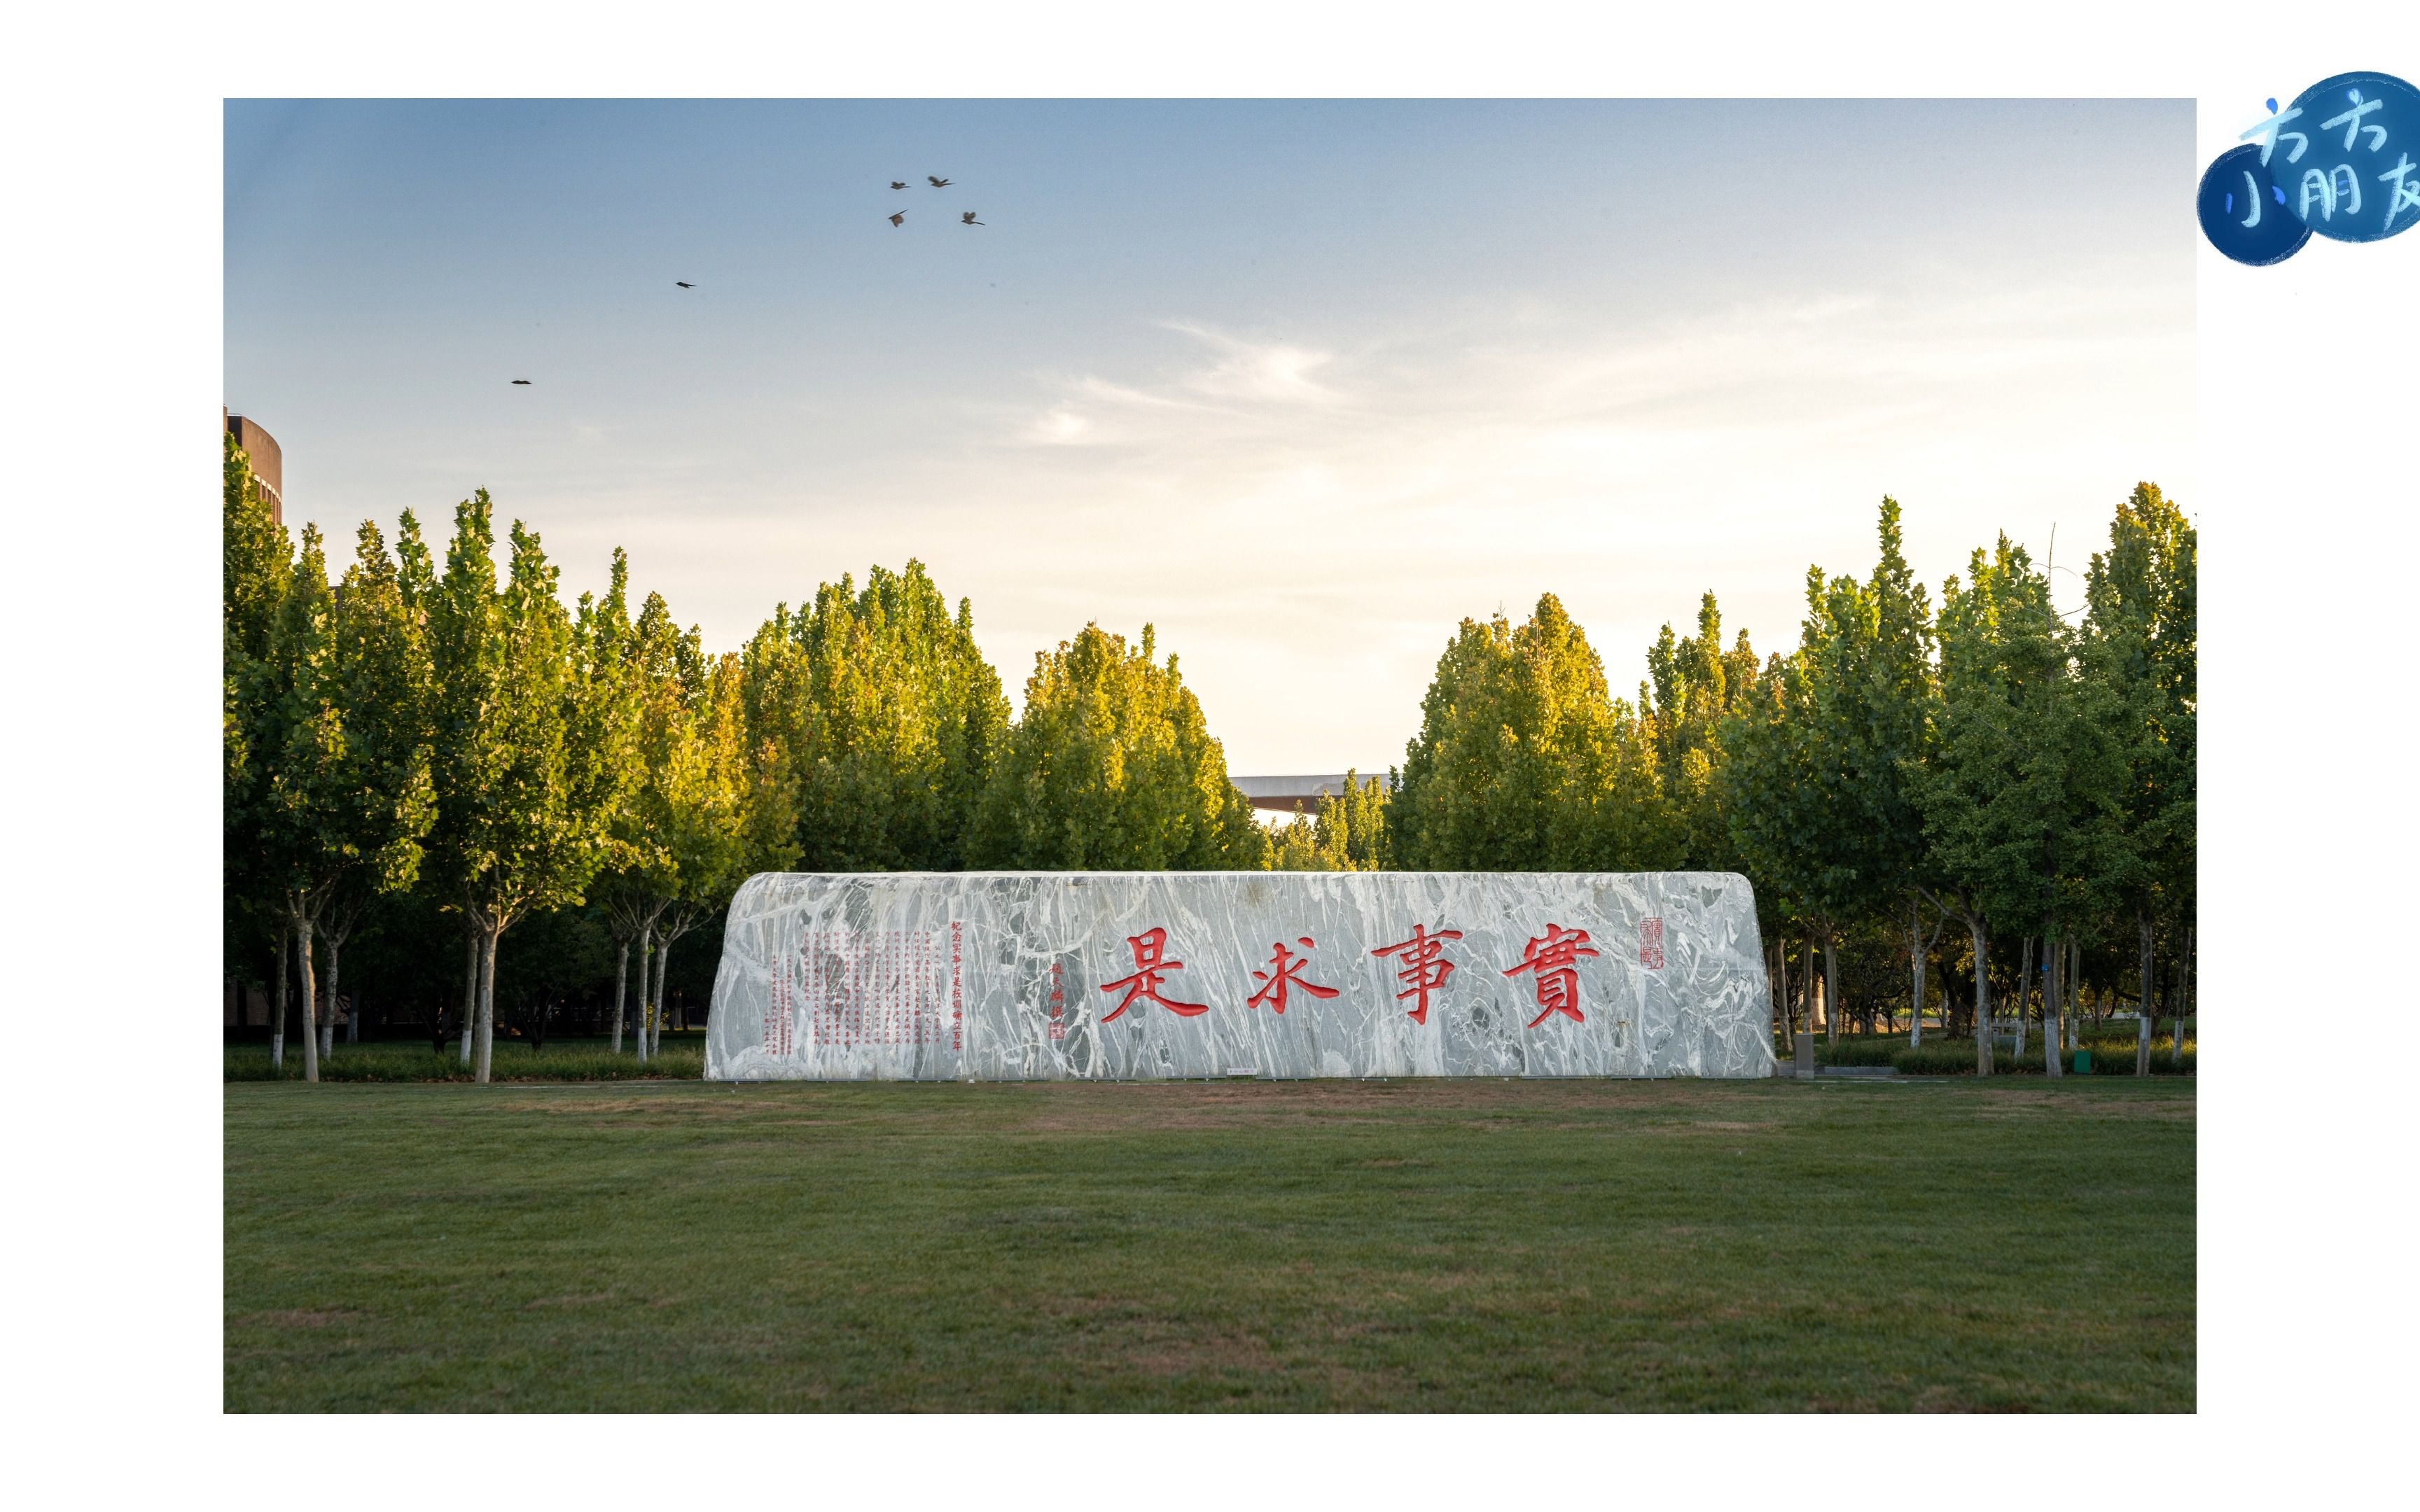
(1425, 966)
(1150, 953)
(1284, 970)
(1555, 957)
(1650, 944)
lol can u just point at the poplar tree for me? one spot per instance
(1988, 818)
(2140, 642)
(1347, 833)
(534, 738)
(345, 797)
(889, 717)
(1695, 685)
(257, 558)
(1112, 768)
(1524, 760)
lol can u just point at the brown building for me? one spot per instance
(268, 462)
(1285, 795)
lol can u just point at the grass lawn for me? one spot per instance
(563, 1059)
(1318, 1245)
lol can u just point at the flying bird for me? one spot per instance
(969, 218)
(897, 184)
(677, 283)
(901, 216)
(937, 183)
(520, 380)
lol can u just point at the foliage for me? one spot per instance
(474, 754)
(886, 719)
(1111, 767)
(1525, 762)
(1347, 833)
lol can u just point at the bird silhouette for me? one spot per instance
(937, 183)
(677, 283)
(901, 216)
(897, 184)
(520, 380)
(969, 218)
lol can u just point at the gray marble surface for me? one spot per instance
(1051, 976)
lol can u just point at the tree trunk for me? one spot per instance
(310, 988)
(621, 986)
(663, 958)
(1831, 991)
(1773, 988)
(2054, 1005)
(646, 958)
(327, 1024)
(2073, 1003)
(1983, 997)
(2184, 989)
(1915, 953)
(2144, 996)
(2025, 991)
(277, 1009)
(487, 1019)
(470, 982)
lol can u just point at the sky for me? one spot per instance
(1302, 385)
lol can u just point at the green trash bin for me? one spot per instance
(2083, 1063)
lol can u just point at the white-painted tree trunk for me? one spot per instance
(2054, 1005)
(621, 988)
(1916, 967)
(656, 1036)
(327, 1020)
(2146, 999)
(1982, 938)
(2024, 989)
(470, 983)
(1831, 990)
(486, 1016)
(277, 1006)
(646, 958)
(310, 988)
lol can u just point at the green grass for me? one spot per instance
(411, 1060)
(1427, 1245)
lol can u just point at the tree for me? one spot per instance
(1112, 768)
(345, 796)
(724, 811)
(380, 683)
(1347, 832)
(2017, 793)
(2140, 642)
(534, 742)
(887, 717)
(257, 566)
(1524, 760)
(1817, 782)
(1694, 686)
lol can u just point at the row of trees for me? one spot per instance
(1989, 764)
(477, 747)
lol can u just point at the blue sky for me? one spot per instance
(1303, 383)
